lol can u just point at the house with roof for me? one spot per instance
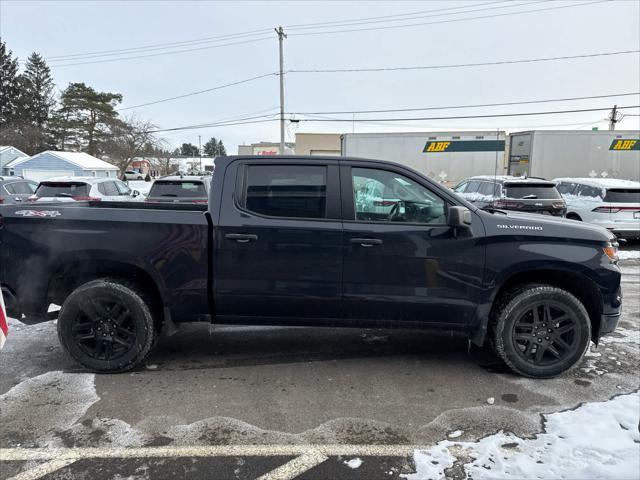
(9, 154)
(62, 164)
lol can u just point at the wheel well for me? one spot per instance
(573, 216)
(581, 287)
(75, 273)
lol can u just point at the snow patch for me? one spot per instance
(455, 434)
(353, 463)
(628, 254)
(49, 402)
(571, 447)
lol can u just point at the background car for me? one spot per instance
(180, 189)
(16, 189)
(72, 189)
(132, 175)
(534, 195)
(608, 202)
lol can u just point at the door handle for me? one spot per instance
(242, 237)
(366, 242)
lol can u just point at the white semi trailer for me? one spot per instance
(575, 153)
(447, 157)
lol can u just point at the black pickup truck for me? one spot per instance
(311, 241)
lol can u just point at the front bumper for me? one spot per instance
(611, 311)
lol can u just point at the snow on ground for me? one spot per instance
(353, 463)
(628, 254)
(596, 440)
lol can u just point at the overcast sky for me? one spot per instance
(56, 29)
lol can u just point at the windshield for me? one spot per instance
(62, 189)
(178, 189)
(529, 190)
(623, 195)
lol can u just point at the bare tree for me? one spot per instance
(130, 138)
(164, 160)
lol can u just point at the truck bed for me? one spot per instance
(52, 247)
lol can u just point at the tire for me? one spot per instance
(106, 325)
(540, 331)
(139, 178)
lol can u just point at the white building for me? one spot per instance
(61, 164)
(9, 154)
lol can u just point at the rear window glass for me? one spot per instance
(623, 195)
(287, 190)
(62, 189)
(20, 188)
(529, 190)
(178, 189)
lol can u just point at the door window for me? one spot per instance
(487, 188)
(566, 188)
(122, 188)
(589, 191)
(473, 187)
(110, 189)
(298, 191)
(385, 196)
(460, 188)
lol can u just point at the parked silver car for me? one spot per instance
(16, 190)
(73, 189)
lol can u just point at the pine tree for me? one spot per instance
(214, 147)
(9, 87)
(84, 117)
(37, 90)
(35, 104)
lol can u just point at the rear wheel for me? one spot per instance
(107, 326)
(541, 331)
(574, 216)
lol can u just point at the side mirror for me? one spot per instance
(459, 217)
(135, 193)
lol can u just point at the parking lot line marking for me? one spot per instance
(23, 454)
(295, 467)
(44, 469)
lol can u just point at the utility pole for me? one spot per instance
(614, 117)
(281, 37)
(200, 151)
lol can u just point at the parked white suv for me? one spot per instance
(73, 189)
(608, 202)
(132, 175)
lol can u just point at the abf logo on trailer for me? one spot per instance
(625, 144)
(437, 146)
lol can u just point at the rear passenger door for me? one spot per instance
(279, 242)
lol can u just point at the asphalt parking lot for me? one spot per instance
(281, 403)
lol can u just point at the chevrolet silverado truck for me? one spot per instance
(311, 241)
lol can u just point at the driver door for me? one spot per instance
(403, 263)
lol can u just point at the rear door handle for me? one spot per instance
(366, 242)
(242, 237)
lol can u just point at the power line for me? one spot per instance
(156, 46)
(230, 36)
(108, 60)
(524, 102)
(224, 124)
(446, 21)
(411, 16)
(496, 115)
(460, 65)
(199, 92)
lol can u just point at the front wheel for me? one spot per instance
(541, 331)
(106, 326)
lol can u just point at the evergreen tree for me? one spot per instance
(84, 117)
(9, 87)
(36, 93)
(35, 104)
(214, 147)
(189, 150)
